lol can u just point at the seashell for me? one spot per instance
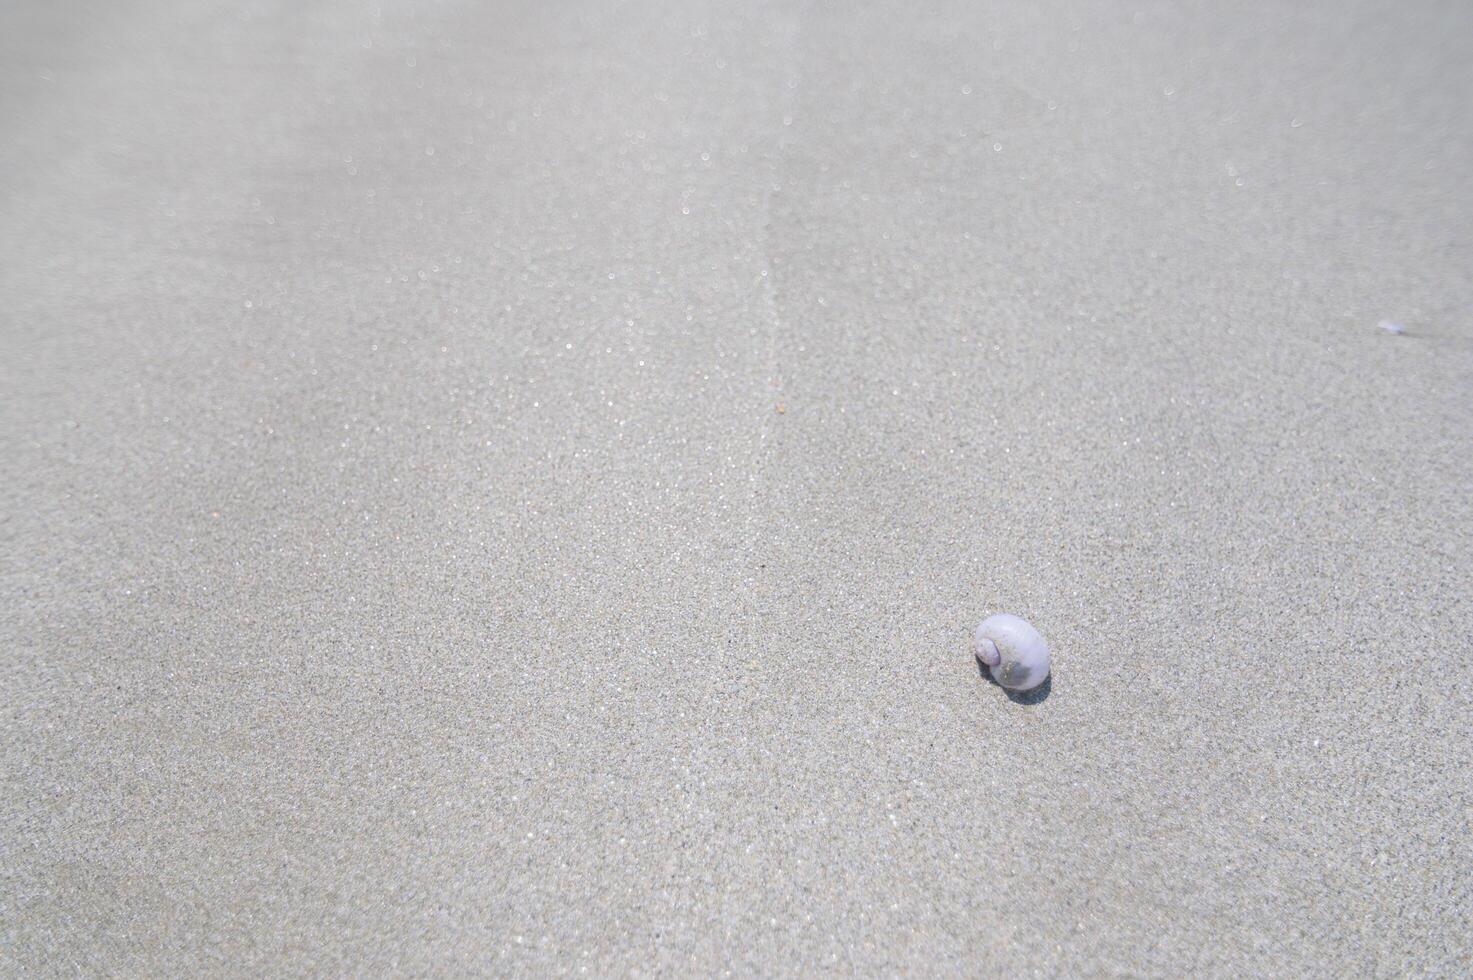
(1013, 651)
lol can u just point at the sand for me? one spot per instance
(506, 488)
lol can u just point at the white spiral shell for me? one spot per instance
(1013, 651)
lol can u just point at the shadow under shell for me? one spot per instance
(1032, 696)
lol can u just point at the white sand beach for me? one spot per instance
(506, 488)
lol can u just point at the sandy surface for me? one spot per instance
(506, 488)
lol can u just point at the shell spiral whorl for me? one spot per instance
(987, 652)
